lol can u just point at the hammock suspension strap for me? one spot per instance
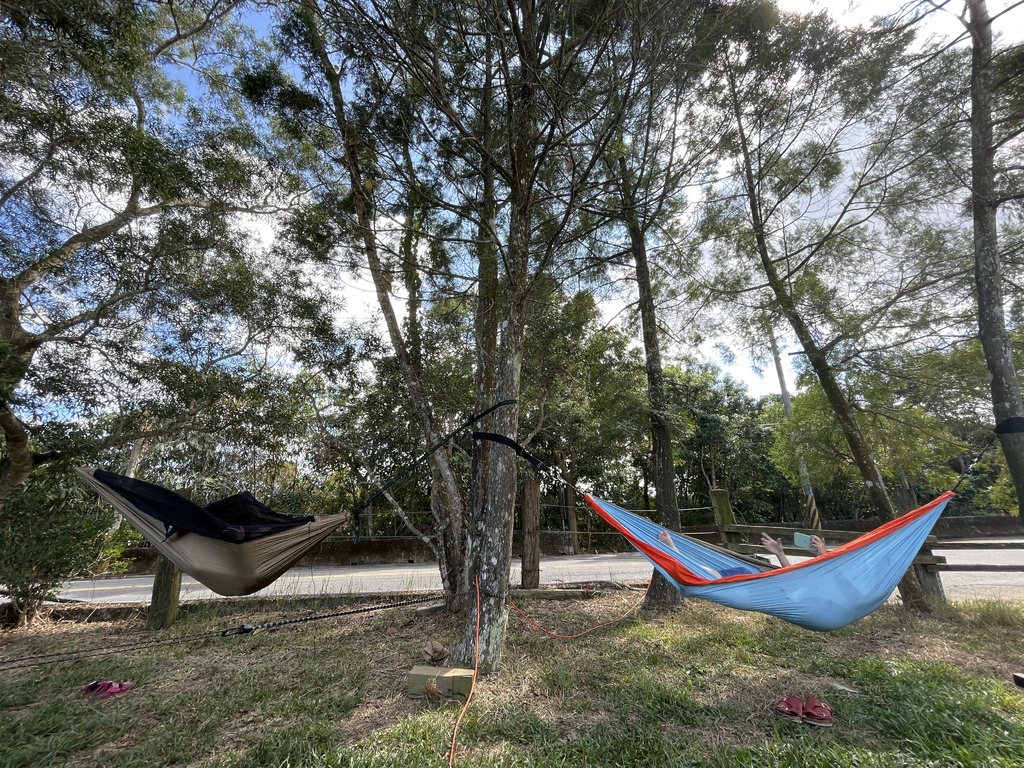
(424, 457)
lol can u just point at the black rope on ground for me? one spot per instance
(56, 658)
(244, 629)
(247, 628)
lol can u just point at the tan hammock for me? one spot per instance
(230, 556)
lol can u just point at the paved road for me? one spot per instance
(974, 585)
(423, 577)
(366, 579)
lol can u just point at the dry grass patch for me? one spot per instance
(693, 686)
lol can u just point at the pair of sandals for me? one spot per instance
(104, 689)
(809, 710)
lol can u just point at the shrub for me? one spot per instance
(51, 530)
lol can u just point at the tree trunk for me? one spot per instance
(573, 521)
(163, 606)
(488, 308)
(492, 559)
(530, 571)
(492, 552)
(410, 263)
(860, 451)
(930, 581)
(988, 277)
(661, 591)
(567, 495)
(17, 348)
(447, 501)
(19, 462)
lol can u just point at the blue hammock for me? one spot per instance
(823, 593)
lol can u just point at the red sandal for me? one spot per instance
(791, 708)
(817, 713)
(116, 688)
(96, 687)
(104, 689)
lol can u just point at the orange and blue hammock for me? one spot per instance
(822, 593)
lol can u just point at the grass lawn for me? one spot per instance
(691, 687)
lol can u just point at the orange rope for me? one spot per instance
(472, 685)
(476, 661)
(586, 631)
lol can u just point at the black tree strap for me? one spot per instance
(425, 456)
(538, 465)
(1010, 426)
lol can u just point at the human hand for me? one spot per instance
(774, 546)
(818, 545)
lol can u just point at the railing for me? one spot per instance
(927, 565)
(940, 543)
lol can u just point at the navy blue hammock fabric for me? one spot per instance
(822, 593)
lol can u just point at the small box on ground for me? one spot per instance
(439, 682)
(423, 681)
(459, 682)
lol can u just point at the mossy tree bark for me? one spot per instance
(530, 571)
(163, 606)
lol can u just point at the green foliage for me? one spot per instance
(924, 414)
(139, 298)
(141, 307)
(51, 530)
(584, 394)
(723, 439)
(827, 223)
(263, 441)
